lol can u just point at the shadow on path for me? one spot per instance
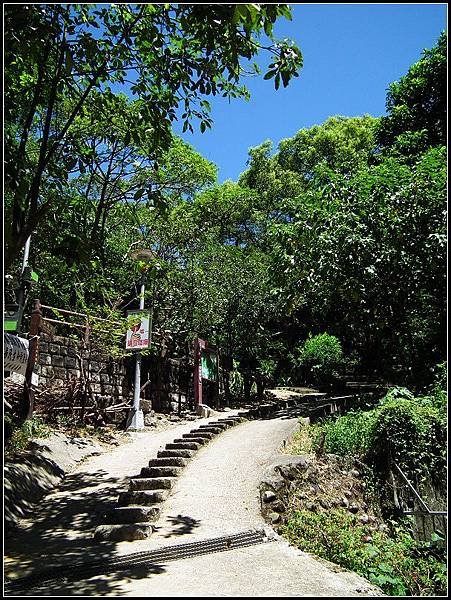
(60, 533)
(182, 524)
(108, 584)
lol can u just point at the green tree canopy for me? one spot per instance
(416, 105)
(169, 57)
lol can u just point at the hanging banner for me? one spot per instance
(137, 337)
(16, 351)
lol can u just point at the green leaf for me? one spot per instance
(269, 74)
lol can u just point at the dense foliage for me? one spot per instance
(397, 563)
(338, 232)
(63, 62)
(399, 431)
(401, 428)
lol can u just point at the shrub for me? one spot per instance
(411, 431)
(351, 434)
(320, 357)
(22, 435)
(396, 564)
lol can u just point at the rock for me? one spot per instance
(367, 539)
(285, 471)
(269, 496)
(382, 527)
(344, 502)
(314, 489)
(353, 509)
(203, 410)
(302, 463)
(149, 420)
(348, 494)
(278, 506)
(274, 517)
(354, 473)
(146, 406)
(364, 519)
(333, 457)
(123, 533)
(324, 503)
(311, 506)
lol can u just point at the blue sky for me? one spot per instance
(352, 52)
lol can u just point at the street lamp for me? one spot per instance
(136, 417)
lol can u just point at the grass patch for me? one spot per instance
(19, 436)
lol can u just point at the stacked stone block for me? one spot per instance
(57, 363)
(140, 506)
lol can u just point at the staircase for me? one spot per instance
(139, 507)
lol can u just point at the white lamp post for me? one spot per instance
(136, 417)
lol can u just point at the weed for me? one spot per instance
(396, 564)
(21, 435)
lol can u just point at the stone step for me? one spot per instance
(194, 433)
(197, 440)
(169, 461)
(123, 533)
(151, 483)
(225, 425)
(161, 471)
(212, 430)
(183, 446)
(133, 514)
(142, 497)
(215, 425)
(179, 453)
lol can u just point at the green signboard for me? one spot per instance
(209, 367)
(10, 324)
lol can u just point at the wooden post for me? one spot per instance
(26, 410)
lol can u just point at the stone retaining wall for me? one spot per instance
(59, 361)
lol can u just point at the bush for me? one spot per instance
(411, 431)
(351, 434)
(21, 435)
(398, 565)
(320, 358)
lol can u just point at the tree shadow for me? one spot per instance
(59, 533)
(182, 525)
(106, 582)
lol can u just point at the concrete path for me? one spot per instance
(217, 494)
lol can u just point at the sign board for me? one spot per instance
(137, 337)
(16, 352)
(11, 317)
(209, 368)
